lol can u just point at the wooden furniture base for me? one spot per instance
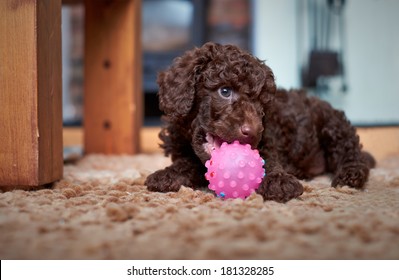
(30, 93)
(31, 86)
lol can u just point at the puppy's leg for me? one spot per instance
(183, 172)
(345, 159)
(278, 185)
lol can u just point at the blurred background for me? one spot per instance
(344, 51)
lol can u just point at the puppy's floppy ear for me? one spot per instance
(177, 84)
(269, 86)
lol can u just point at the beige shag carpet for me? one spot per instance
(101, 210)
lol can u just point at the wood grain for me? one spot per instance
(113, 95)
(49, 61)
(30, 93)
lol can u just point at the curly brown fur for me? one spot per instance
(217, 93)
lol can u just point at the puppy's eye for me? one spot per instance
(225, 92)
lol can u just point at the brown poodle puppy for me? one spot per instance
(220, 93)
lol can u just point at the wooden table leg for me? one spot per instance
(113, 95)
(30, 93)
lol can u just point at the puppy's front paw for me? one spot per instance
(280, 187)
(353, 175)
(165, 180)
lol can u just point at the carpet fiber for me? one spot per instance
(101, 210)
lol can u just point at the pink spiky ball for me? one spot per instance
(234, 170)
